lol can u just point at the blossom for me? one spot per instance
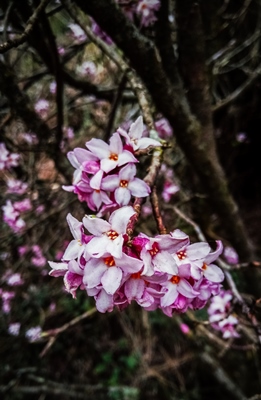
(178, 284)
(15, 280)
(109, 271)
(200, 258)
(146, 10)
(125, 185)
(108, 236)
(220, 316)
(7, 159)
(14, 328)
(163, 128)
(230, 255)
(33, 334)
(112, 155)
(16, 186)
(77, 32)
(88, 68)
(42, 107)
(134, 137)
(156, 252)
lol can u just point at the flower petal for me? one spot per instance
(119, 219)
(111, 279)
(122, 196)
(214, 274)
(96, 226)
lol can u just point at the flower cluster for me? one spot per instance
(12, 214)
(220, 315)
(7, 159)
(165, 272)
(105, 173)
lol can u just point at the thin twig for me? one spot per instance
(9, 44)
(53, 333)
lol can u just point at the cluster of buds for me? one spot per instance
(220, 315)
(114, 267)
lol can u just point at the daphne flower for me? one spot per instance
(108, 271)
(134, 137)
(108, 235)
(146, 9)
(124, 185)
(111, 155)
(178, 284)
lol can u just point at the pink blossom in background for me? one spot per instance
(241, 137)
(39, 209)
(163, 128)
(23, 205)
(7, 159)
(53, 87)
(12, 217)
(6, 300)
(77, 33)
(184, 328)
(38, 258)
(42, 108)
(220, 315)
(14, 328)
(15, 280)
(230, 255)
(88, 68)
(29, 137)
(61, 50)
(146, 11)
(33, 334)
(16, 186)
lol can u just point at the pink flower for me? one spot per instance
(134, 137)
(77, 32)
(200, 258)
(7, 159)
(178, 284)
(125, 185)
(76, 247)
(146, 10)
(14, 328)
(15, 280)
(163, 128)
(88, 68)
(109, 271)
(112, 155)
(108, 236)
(33, 334)
(230, 255)
(42, 107)
(53, 87)
(16, 186)
(156, 252)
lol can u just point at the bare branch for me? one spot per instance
(28, 29)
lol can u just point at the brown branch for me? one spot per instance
(156, 211)
(27, 31)
(53, 333)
